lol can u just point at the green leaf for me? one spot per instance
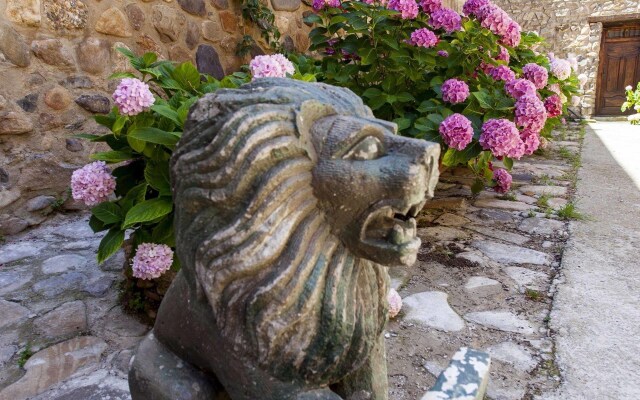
(157, 176)
(453, 157)
(121, 120)
(477, 186)
(107, 212)
(187, 75)
(110, 244)
(508, 163)
(483, 99)
(155, 135)
(128, 53)
(371, 92)
(167, 112)
(164, 232)
(148, 211)
(96, 225)
(403, 123)
(134, 196)
(137, 145)
(93, 138)
(114, 156)
(120, 75)
(149, 58)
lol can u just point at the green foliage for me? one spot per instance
(25, 355)
(570, 212)
(257, 12)
(365, 48)
(633, 101)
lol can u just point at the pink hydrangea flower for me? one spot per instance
(320, 4)
(423, 37)
(530, 113)
(151, 260)
(447, 19)
(560, 68)
(503, 54)
(443, 53)
(471, 7)
(503, 180)
(455, 91)
(271, 66)
(502, 73)
(502, 137)
(531, 141)
(553, 105)
(395, 303)
(536, 74)
(407, 8)
(456, 131)
(93, 183)
(494, 18)
(520, 87)
(132, 96)
(512, 35)
(555, 88)
(430, 6)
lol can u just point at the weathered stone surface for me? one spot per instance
(483, 286)
(11, 281)
(6, 352)
(504, 205)
(68, 282)
(77, 82)
(229, 21)
(448, 203)
(306, 14)
(29, 103)
(14, 46)
(113, 22)
(69, 318)
(8, 196)
(25, 12)
(18, 251)
(286, 5)
(533, 190)
(94, 103)
(12, 313)
(54, 364)
(448, 219)
(39, 203)
(540, 226)
(98, 385)
(121, 324)
(526, 278)
(192, 36)
(514, 354)
(510, 254)
(179, 54)
(499, 234)
(212, 30)
(208, 62)
(399, 277)
(220, 4)
(12, 225)
(74, 145)
(442, 233)
(195, 7)
(474, 257)
(136, 16)
(76, 230)
(58, 98)
(147, 44)
(501, 320)
(63, 263)
(288, 44)
(66, 14)
(433, 310)
(93, 55)
(168, 21)
(466, 377)
(492, 216)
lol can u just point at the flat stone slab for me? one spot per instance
(76, 230)
(99, 385)
(432, 309)
(63, 263)
(501, 320)
(540, 226)
(447, 203)
(511, 254)
(526, 278)
(504, 205)
(499, 234)
(448, 219)
(482, 286)
(11, 281)
(12, 313)
(59, 284)
(465, 378)
(533, 190)
(442, 233)
(514, 354)
(18, 251)
(67, 319)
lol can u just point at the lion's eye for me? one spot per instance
(368, 148)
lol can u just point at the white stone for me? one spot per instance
(18, 251)
(526, 278)
(432, 309)
(514, 354)
(75, 230)
(511, 254)
(540, 226)
(499, 234)
(501, 320)
(63, 263)
(533, 190)
(483, 286)
(503, 205)
(473, 256)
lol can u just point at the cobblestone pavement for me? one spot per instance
(483, 280)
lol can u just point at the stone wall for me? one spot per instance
(55, 57)
(567, 27)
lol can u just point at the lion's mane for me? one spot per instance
(251, 236)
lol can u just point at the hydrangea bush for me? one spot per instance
(633, 102)
(473, 82)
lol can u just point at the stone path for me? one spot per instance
(482, 280)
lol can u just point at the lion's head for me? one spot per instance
(290, 197)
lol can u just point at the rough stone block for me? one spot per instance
(466, 377)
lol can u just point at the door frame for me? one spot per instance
(608, 22)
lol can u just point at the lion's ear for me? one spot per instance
(310, 111)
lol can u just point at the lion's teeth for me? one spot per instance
(397, 234)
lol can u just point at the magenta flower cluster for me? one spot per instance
(560, 68)
(553, 105)
(502, 73)
(455, 91)
(502, 137)
(503, 55)
(497, 21)
(93, 183)
(430, 6)
(536, 74)
(520, 87)
(271, 66)
(446, 19)
(151, 260)
(531, 141)
(320, 4)
(443, 53)
(471, 7)
(530, 113)
(423, 37)
(407, 8)
(132, 96)
(456, 131)
(503, 180)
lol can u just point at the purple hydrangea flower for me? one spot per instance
(503, 180)
(395, 303)
(443, 53)
(530, 113)
(456, 131)
(553, 105)
(531, 141)
(502, 137)
(423, 37)
(151, 260)
(430, 6)
(455, 91)
(502, 73)
(93, 183)
(512, 35)
(471, 7)
(132, 96)
(320, 4)
(503, 54)
(407, 8)
(520, 87)
(536, 74)
(560, 68)
(447, 19)
(271, 66)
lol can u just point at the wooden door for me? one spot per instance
(619, 66)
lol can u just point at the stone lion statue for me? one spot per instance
(290, 200)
